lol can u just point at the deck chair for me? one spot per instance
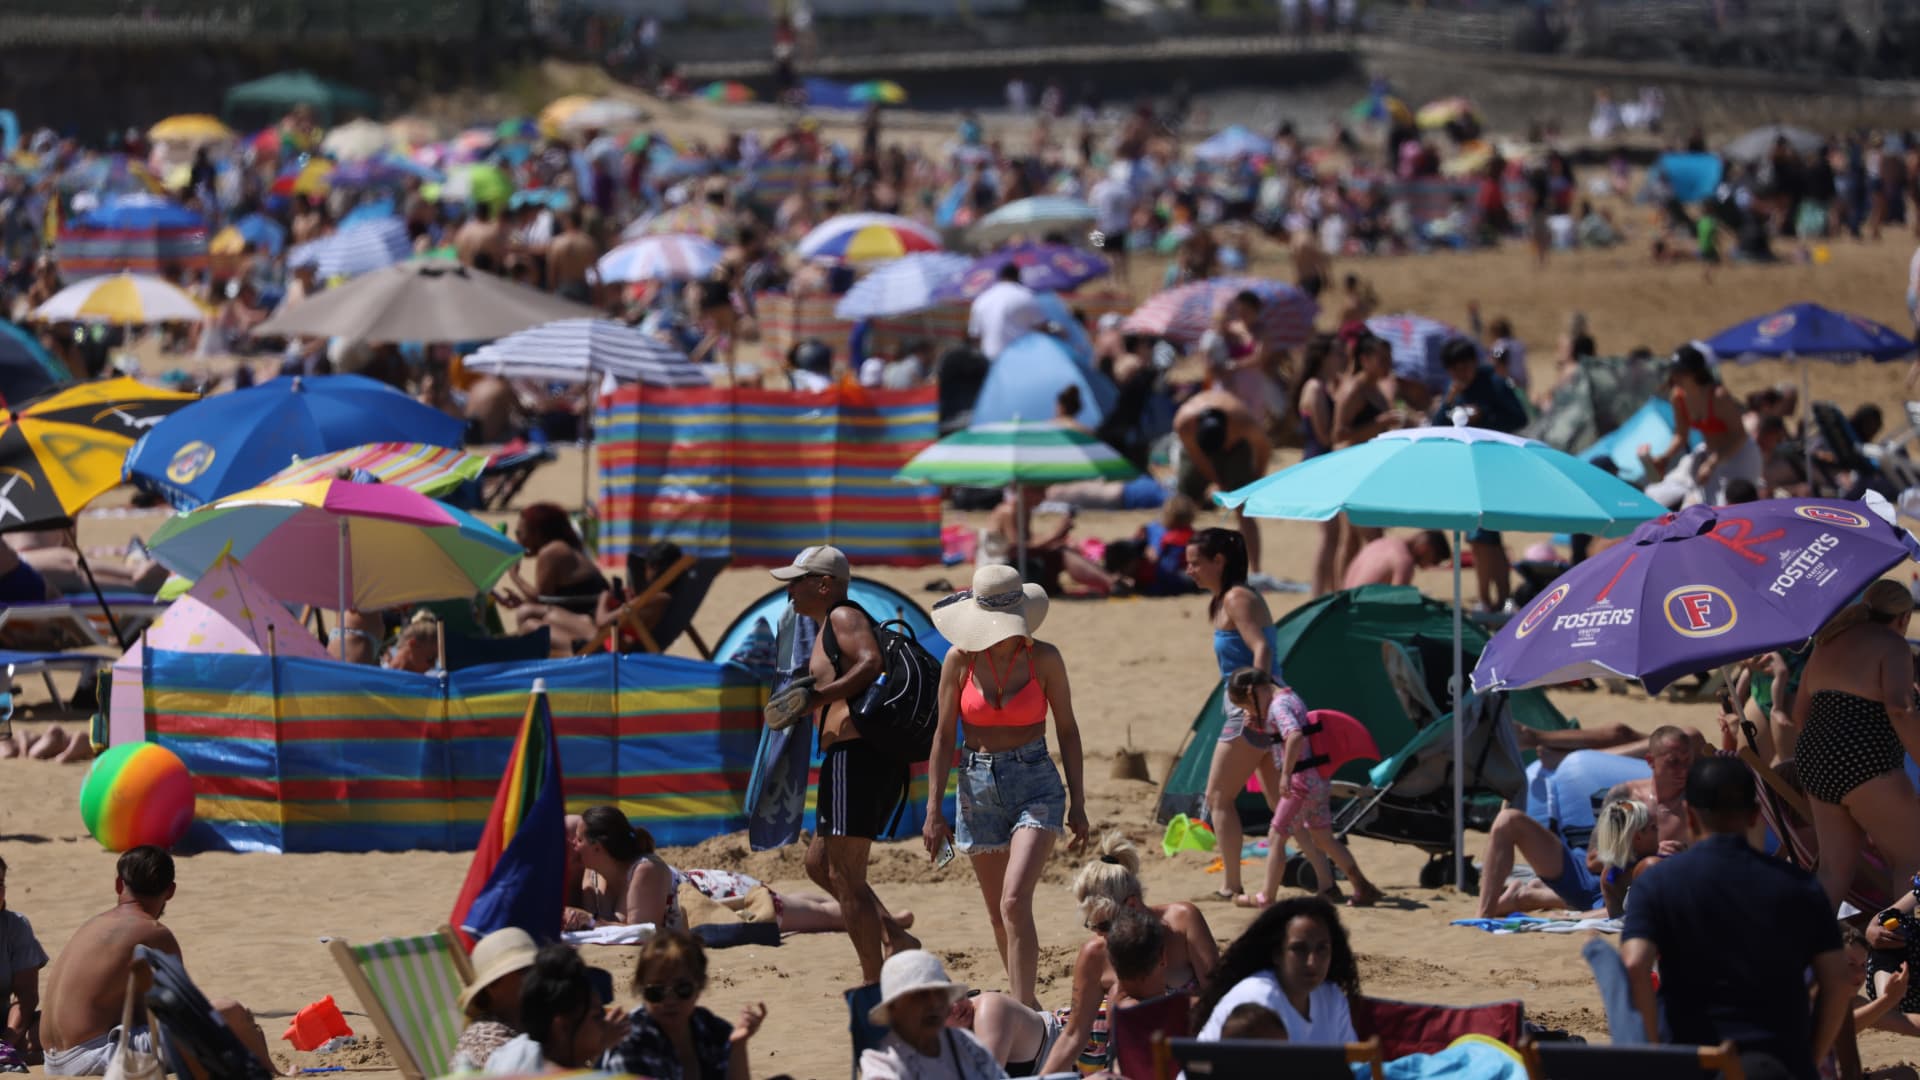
(1132, 1029)
(198, 1043)
(686, 584)
(1783, 806)
(866, 1034)
(410, 989)
(1407, 1027)
(1261, 1059)
(465, 652)
(508, 470)
(76, 622)
(1576, 1061)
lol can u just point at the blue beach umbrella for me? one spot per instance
(231, 442)
(27, 369)
(1810, 332)
(1458, 479)
(264, 233)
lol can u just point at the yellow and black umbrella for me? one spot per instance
(61, 451)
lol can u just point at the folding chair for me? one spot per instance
(686, 584)
(1408, 1027)
(197, 1041)
(865, 1033)
(410, 989)
(509, 470)
(1261, 1059)
(1132, 1029)
(1576, 1061)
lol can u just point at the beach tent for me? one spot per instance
(1691, 177)
(1598, 398)
(225, 612)
(1329, 651)
(1652, 426)
(1027, 376)
(883, 602)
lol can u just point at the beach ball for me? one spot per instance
(137, 793)
(1822, 255)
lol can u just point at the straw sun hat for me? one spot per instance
(998, 607)
(497, 956)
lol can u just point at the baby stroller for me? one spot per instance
(1408, 798)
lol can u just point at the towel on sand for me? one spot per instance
(637, 934)
(1534, 924)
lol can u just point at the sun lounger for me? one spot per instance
(75, 622)
(410, 989)
(1262, 1059)
(199, 1045)
(1131, 1031)
(1574, 1061)
(23, 664)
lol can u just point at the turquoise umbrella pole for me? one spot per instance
(1459, 734)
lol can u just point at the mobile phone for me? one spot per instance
(945, 858)
(1726, 702)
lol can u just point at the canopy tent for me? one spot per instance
(226, 612)
(288, 89)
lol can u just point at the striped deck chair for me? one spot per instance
(1783, 806)
(410, 989)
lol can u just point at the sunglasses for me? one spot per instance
(657, 992)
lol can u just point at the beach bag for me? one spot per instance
(898, 713)
(128, 1063)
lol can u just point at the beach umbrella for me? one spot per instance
(357, 249)
(193, 129)
(372, 210)
(423, 300)
(1758, 144)
(585, 351)
(1438, 114)
(692, 219)
(905, 285)
(121, 300)
(660, 258)
(865, 238)
(356, 140)
(469, 146)
(139, 212)
(1416, 341)
(1034, 217)
(264, 233)
(1183, 314)
(1458, 479)
(136, 232)
(282, 92)
(1043, 268)
(726, 92)
(340, 544)
(312, 177)
(481, 183)
(559, 109)
(1016, 454)
(422, 467)
(1694, 590)
(233, 441)
(27, 369)
(1382, 108)
(878, 92)
(1232, 143)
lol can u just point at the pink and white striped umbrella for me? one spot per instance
(1416, 342)
(1182, 314)
(672, 257)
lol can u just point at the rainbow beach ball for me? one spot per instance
(137, 793)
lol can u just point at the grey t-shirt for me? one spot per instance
(20, 952)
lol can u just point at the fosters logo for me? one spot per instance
(1699, 611)
(1541, 610)
(191, 460)
(1832, 515)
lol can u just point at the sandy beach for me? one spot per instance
(252, 925)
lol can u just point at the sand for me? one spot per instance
(251, 925)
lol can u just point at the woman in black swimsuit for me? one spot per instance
(1855, 711)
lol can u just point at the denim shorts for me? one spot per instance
(1014, 789)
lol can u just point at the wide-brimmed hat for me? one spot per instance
(498, 955)
(999, 606)
(909, 972)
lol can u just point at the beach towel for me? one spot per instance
(1471, 1057)
(1534, 924)
(637, 934)
(776, 802)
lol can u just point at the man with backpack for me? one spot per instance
(863, 783)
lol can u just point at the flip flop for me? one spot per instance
(1224, 894)
(1254, 900)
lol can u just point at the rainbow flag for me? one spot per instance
(518, 873)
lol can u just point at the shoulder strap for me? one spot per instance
(827, 640)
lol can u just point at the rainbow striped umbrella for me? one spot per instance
(673, 257)
(726, 92)
(860, 238)
(1181, 315)
(429, 470)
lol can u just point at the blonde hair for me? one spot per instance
(1108, 882)
(1883, 602)
(1619, 821)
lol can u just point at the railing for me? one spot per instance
(37, 22)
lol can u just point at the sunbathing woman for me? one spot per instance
(1857, 725)
(628, 883)
(1106, 888)
(565, 580)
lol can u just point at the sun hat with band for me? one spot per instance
(909, 972)
(998, 607)
(497, 956)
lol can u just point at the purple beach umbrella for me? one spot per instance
(1043, 268)
(1691, 591)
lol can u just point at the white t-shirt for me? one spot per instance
(1331, 1022)
(895, 1060)
(1112, 207)
(518, 1056)
(1006, 311)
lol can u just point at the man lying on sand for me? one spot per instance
(87, 987)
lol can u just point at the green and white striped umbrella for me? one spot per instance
(1020, 452)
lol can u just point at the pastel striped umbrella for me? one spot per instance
(1017, 452)
(1036, 215)
(357, 249)
(672, 257)
(1416, 342)
(582, 350)
(121, 300)
(693, 219)
(429, 470)
(861, 238)
(908, 284)
(1183, 314)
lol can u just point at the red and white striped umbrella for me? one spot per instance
(1182, 314)
(672, 257)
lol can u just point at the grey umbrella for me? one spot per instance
(1758, 143)
(426, 300)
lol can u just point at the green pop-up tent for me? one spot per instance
(1329, 652)
(278, 93)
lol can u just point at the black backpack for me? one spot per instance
(899, 712)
